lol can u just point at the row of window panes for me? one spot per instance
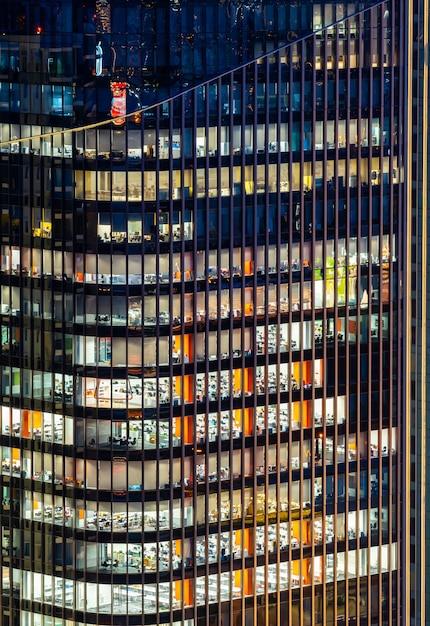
(120, 474)
(127, 146)
(122, 186)
(167, 555)
(273, 90)
(234, 303)
(209, 264)
(163, 227)
(37, 99)
(124, 147)
(267, 339)
(59, 100)
(156, 516)
(152, 433)
(225, 425)
(59, 511)
(151, 392)
(216, 468)
(31, 57)
(35, 619)
(136, 392)
(59, 144)
(165, 514)
(151, 598)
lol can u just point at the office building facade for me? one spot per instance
(202, 313)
